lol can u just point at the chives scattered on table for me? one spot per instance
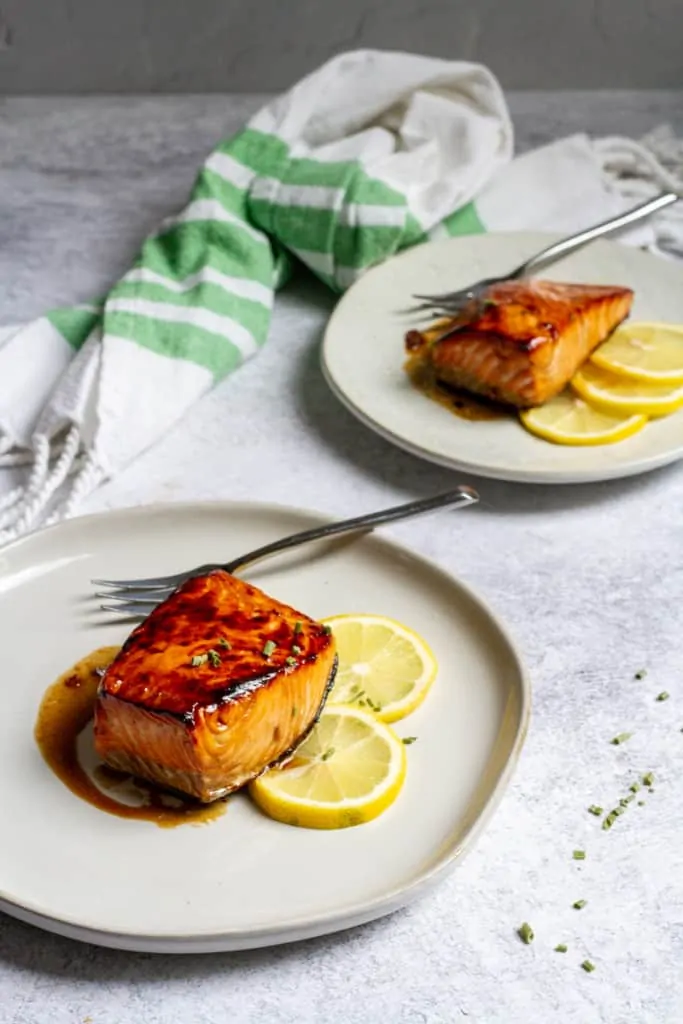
(621, 738)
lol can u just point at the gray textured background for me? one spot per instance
(176, 46)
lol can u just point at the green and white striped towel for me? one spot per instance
(371, 153)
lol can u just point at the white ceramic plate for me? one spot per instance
(242, 880)
(363, 355)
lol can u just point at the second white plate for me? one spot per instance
(363, 356)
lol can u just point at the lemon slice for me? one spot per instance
(348, 771)
(567, 419)
(649, 352)
(383, 666)
(614, 393)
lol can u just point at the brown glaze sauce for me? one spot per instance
(64, 717)
(462, 403)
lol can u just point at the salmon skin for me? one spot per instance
(218, 684)
(524, 340)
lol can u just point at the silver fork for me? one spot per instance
(140, 596)
(452, 303)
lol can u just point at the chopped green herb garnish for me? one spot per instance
(408, 740)
(355, 689)
(622, 738)
(588, 966)
(579, 854)
(641, 803)
(328, 754)
(214, 657)
(198, 659)
(597, 811)
(526, 933)
(612, 817)
(298, 628)
(225, 644)
(648, 779)
(634, 787)
(626, 800)
(290, 662)
(296, 649)
(662, 696)
(561, 948)
(268, 648)
(579, 905)
(327, 630)
(641, 673)
(488, 303)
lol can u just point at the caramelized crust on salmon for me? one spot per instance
(219, 683)
(525, 340)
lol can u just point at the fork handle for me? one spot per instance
(458, 498)
(574, 242)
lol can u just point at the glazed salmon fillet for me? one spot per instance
(525, 340)
(219, 683)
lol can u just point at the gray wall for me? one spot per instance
(119, 46)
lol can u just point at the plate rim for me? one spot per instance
(546, 477)
(315, 925)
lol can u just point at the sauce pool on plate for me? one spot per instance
(61, 731)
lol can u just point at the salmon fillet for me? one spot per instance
(525, 340)
(220, 682)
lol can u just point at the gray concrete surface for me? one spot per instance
(176, 46)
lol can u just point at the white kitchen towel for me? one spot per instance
(371, 153)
